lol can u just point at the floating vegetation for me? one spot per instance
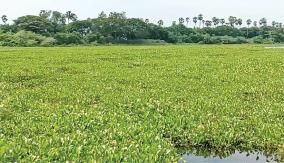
(133, 104)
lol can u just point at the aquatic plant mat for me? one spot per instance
(138, 103)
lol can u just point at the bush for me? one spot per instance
(233, 40)
(142, 41)
(91, 38)
(211, 40)
(278, 38)
(196, 38)
(224, 40)
(173, 38)
(101, 40)
(241, 40)
(69, 38)
(49, 41)
(7, 39)
(26, 39)
(258, 40)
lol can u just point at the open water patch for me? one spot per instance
(228, 157)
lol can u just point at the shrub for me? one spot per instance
(7, 39)
(278, 37)
(173, 38)
(196, 38)
(142, 41)
(91, 38)
(224, 40)
(101, 40)
(258, 40)
(26, 39)
(49, 41)
(69, 38)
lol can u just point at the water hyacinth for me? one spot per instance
(138, 103)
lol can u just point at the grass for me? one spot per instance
(134, 103)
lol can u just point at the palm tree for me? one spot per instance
(147, 21)
(222, 21)
(194, 21)
(215, 21)
(274, 23)
(208, 23)
(62, 19)
(70, 16)
(102, 15)
(181, 20)
(203, 23)
(45, 13)
(200, 18)
(232, 20)
(239, 22)
(248, 24)
(160, 23)
(255, 23)
(4, 19)
(249, 21)
(263, 22)
(187, 20)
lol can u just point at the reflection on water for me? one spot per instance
(227, 157)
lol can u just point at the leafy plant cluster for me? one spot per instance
(65, 29)
(138, 103)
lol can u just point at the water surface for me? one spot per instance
(237, 157)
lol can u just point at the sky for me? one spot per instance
(168, 10)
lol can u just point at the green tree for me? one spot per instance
(208, 23)
(232, 20)
(68, 38)
(249, 21)
(255, 23)
(4, 19)
(115, 25)
(195, 21)
(239, 22)
(58, 18)
(102, 15)
(263, 22)
(203, 23)
(187, 21)
(33, 23)
(45, 13)
(147, 21)
(181, 20)
(58, 21)
(83, 27)
(222, 21)
(70, 16)
(274, 23)
(160, 22)
(215, 21)
(200, 18)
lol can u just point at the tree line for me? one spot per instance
(50, 28)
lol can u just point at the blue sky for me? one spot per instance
(168, 10)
